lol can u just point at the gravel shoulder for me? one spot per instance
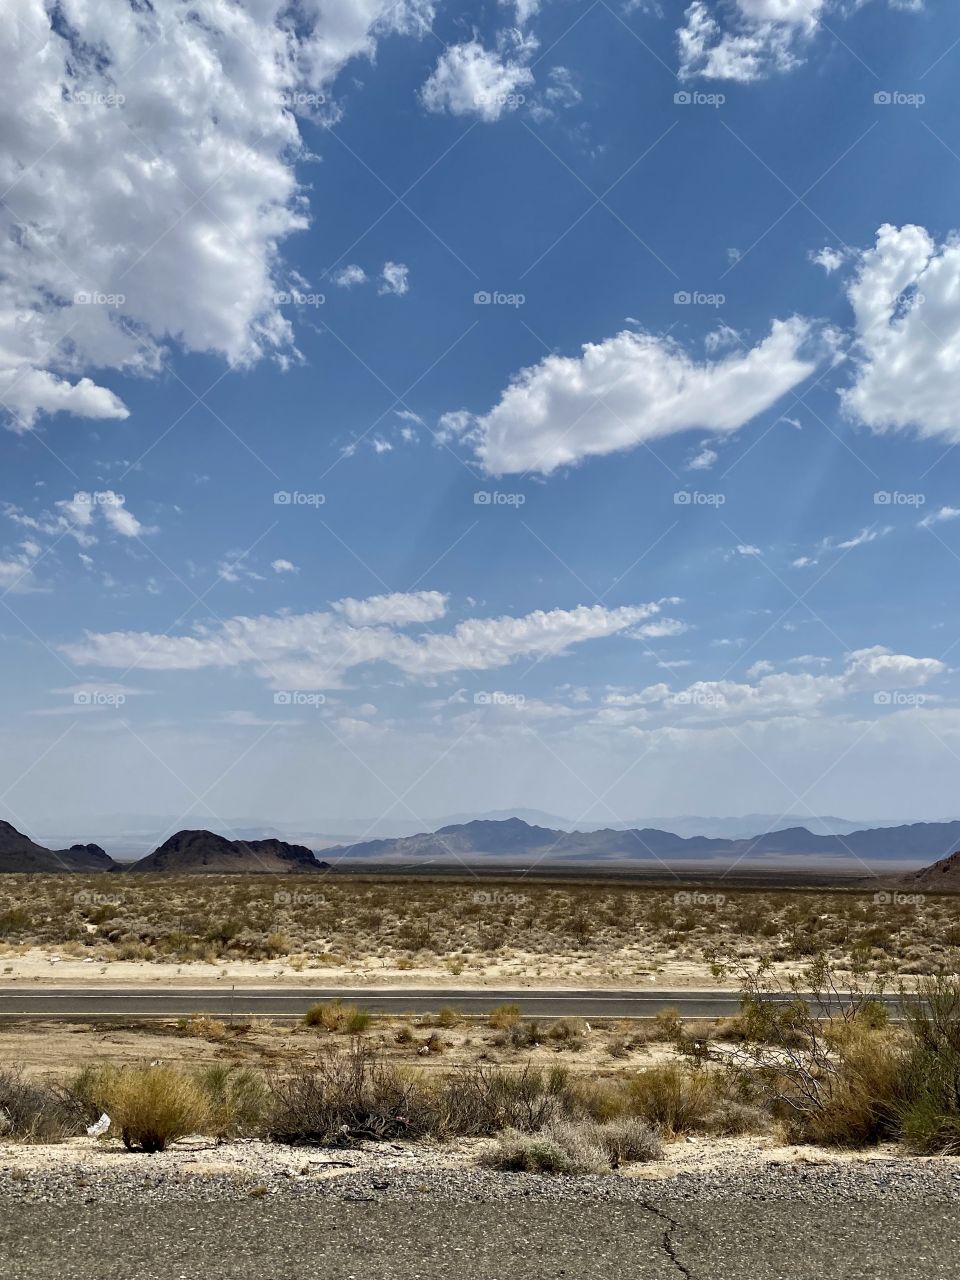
(401, 1212)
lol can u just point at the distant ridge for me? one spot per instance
(18, 853)
(192, 852)
(516, 839)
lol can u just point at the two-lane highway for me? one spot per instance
(293, 1002)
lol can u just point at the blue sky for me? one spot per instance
(424, 408)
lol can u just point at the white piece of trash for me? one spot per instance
(100, 1127)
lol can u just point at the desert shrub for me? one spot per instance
(238, 1098)
(151, 1106)
(504, 1017)
(479, 1101)
(203, 1026)
(629, 1139)
(669, 1024)
(575, 1147)
(928, 1111)
(567, 1033)
(853, 1101)
(600, 1098)
(675, 1098)
(448, 1017)
(562, 1148)
(32, 1112)
(348, 1098)
(335, 1015)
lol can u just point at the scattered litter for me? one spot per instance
(100, 1127)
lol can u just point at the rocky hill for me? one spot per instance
(19, 853)
(189, 852)
(942, 876)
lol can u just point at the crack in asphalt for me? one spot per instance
(672, 1225)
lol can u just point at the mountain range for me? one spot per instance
(501, 841)
(515, 839)
(130, 836)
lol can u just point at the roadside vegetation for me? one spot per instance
(834, 1071)
(461, 927)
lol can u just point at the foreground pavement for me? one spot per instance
(890, 1219)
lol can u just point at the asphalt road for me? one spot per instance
(165, 1002)
(280, 1239)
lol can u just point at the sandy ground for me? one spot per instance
(37, 966)
(258, 1161)
(57, 1048)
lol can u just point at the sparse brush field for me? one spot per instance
(556, 1098)
(457, 929)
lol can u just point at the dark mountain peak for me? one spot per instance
(189, 851)
(19, 853)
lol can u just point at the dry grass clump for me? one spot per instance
(504, 1017)
(675, 1098)
(203, 1027)
(238, 1099)
(574, 1147)
(32, 1112)
(336, 1015)
(149, 1106)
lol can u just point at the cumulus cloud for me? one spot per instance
(394, 278)
(906, 303)
(317, 650)
(703, 459)
(471, 80)
(149, 181)
(349, 275)
(745, 40)
(396, 609)
(830, 259)
(872, 670)
(80, 515)
(624, 391)
(283, 566)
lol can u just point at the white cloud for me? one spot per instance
(940, 517)
(16, 569)
(624, 391)
(523, 9)
(471, 80)
(283, 566)
(745, 40)
(77, 517)
(397, 609)
(830, 259)
(703, 459)
(316, 650)
(871, 670)
(120, 520)
(350, 275)
(861, 539)
(149, 181)
(746, 549)
(906, 304)
(394, 278)
(560, 94)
